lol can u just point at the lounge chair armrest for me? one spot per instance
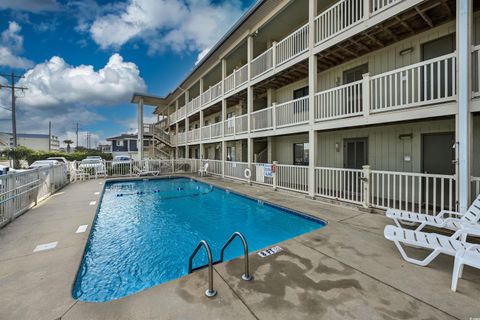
(444, 213)
(473, 247)
(470, 230)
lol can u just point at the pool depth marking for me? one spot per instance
(82, 228)
(92, 203)
(45, 246)
(96, 193)
(269, 251)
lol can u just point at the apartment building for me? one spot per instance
(34, 141)
(373, 102)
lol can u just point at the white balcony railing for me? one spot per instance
(476, 71)
(181, 138)
(216, 91)
(262, 63)
(339, 102)
(380, 5)
(336, 19)
(217, 129)
(241, 76)
(229, 126)
(293, 45)
(229, 83)
(292, 113)
(206, 132)
(241, 124)
(262, 119)
(426, 82)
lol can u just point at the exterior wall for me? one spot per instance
(385, 150)
(282, 147)
(38, 144)
(476, 146)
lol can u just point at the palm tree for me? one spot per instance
(68, 142)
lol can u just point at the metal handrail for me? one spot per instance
(246, 276)
(210, 292)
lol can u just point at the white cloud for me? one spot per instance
(56, 83)
(202, 55)
(66, 94)
(11, 45)
(30, 5)
(192, 25)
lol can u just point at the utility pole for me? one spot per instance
(76, 145)
(49, 136)
(12, 87)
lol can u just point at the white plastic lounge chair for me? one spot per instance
(445, 219)
(431, 241)
(469, 256)
(203, 170)
(139, 172)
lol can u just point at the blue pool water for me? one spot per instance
(145, 231)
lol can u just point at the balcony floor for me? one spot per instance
(346, 270)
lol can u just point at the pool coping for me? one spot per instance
(322, 222)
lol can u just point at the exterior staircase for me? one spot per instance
(162, 145)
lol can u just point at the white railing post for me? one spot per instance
(274, 116)
(274, 55)
(274, 175)
(39, 185)
(12, 194)
(366, 93)
(366, 186)
(366, 9)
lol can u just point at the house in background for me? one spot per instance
(105, 147)
(34, 141)
(126, 144)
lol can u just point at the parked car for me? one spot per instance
(93, 166)
(121, 160)
(94, 157)
(43, 164)
(59, 159)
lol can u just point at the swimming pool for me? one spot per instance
(145, 231)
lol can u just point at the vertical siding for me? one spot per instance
(282, 147)
(386, 150)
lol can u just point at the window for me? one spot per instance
(119, 143)
(297, 94)
(300, 154)
(355, 74)
(300, 93)
(207, 122)
(217, 119)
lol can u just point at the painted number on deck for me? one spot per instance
(270, 251)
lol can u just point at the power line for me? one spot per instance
(12, 87)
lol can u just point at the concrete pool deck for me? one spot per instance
(346, 270)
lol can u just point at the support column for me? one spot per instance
(464, 92)
(202, 150)
(249, 56)
(269, 149)
(249, 108)
(176, 130)
(224, 74)
(140, 128)
(224, 157)
(312, 88)
(187, 129)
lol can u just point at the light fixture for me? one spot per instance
(405, 136)
(406, 51)
(337, 146)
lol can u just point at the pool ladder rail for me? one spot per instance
(210, 292)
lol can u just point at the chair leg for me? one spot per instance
(457, 272)
(423, 262)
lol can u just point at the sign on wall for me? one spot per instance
(267, 170)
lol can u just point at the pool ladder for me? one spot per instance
(210, 292)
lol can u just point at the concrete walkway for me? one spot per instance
(346, 270)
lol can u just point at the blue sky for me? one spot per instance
(82, 59)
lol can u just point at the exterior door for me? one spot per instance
(355, 154)
(438, 158)
(436, 74)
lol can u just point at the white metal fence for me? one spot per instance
(19, 191)
(339, 183)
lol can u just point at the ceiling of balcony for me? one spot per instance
(420, 18)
